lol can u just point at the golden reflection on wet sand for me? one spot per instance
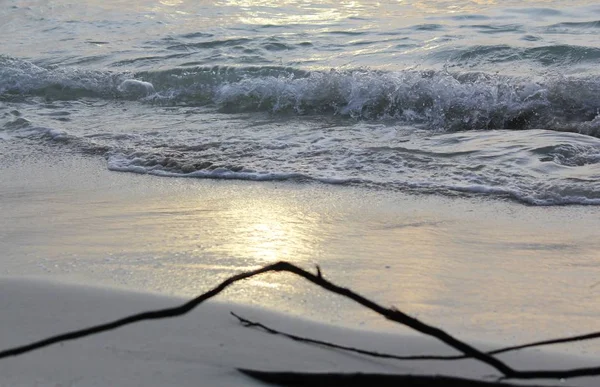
(265, 231)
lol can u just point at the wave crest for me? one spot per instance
(438, 100)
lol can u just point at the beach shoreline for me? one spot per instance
(75, 234)
(439, 158)
(488, 269)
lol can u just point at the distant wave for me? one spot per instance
(439, 100)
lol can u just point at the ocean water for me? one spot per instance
(480, 97)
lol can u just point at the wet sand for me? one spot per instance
(487, 269)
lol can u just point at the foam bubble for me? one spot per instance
(133, 88)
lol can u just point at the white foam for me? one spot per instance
(122, 163)
(136, 88)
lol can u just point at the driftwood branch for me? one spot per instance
(300, 379)
(389, 313)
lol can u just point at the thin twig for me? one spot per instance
(249, 324)
(587, 336)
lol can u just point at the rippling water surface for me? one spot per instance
(478, 97)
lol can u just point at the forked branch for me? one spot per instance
(389, 313)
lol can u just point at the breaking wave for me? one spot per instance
(437, 100)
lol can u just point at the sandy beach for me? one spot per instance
(486, 270)
(438, 157)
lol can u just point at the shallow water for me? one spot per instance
(462, 97)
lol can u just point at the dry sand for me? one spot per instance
(202, 348)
